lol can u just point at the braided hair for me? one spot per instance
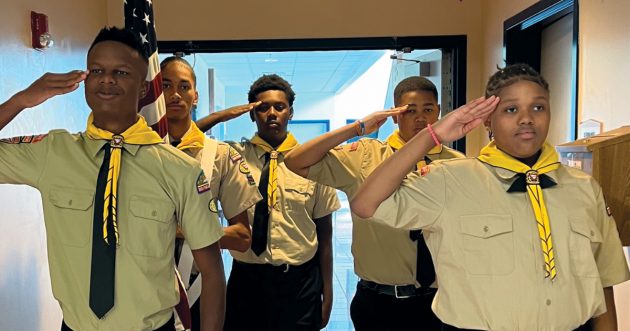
(511, 74)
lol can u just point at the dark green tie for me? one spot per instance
(103, 254)
(261, 212)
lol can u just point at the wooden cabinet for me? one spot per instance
(607, 158)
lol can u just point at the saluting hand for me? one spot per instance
(375, 120)
(462, 120)
(236, 111)
(48, 86)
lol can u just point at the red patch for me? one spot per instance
(24, 139)
(424, 171)
(354, 146)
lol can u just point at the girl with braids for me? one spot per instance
(519, 241)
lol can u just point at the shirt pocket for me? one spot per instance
(71, 215)
(150, 229)
(298, 196)
(584, 239)
(487, 243)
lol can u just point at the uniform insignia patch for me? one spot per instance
(24, 139)
(202, 183)
(243, 168)
(608, 211)
(424, 171)
(250, 180)
(234, 155)
(213, 206)
(354, 146)
(338, 148)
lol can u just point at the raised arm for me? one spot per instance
(301, 158)
(388, 176)
(206, 123)
(46, 87)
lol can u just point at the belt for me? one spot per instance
(284, 268)
(397, 291)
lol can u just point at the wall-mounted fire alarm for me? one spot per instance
(41, 38)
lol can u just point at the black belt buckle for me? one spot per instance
(404, 291)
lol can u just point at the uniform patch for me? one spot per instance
(250, 180)
(234, 155)
(608, 211)
(213, 206)
(338, 148)
(243, 168)
(202, 183)
(24, 139)
(354, 146)
(424, 171)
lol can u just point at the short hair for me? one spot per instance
(268, 83)
(413, 84)
(181, 60)
(124, 36)
(511, 74)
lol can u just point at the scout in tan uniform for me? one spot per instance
(236, 190)
(112, 196)
(284, 281)
(395, 268)
(519, 241)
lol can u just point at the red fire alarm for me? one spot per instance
(41, 38)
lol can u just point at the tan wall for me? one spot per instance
(604, 68)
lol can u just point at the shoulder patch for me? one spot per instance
(424, 171)
(234, 155)
(243, 168)
(250, 179)
(213, 206)
(354, 146)
(202, 183)
(24, 139)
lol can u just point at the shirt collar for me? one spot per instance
(507, 177)
(96, 145)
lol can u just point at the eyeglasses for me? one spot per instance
(278, 106)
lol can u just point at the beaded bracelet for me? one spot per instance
(435, 139)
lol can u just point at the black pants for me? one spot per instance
(585, 327)
(168, 326)
(373, 311)
(265, 297)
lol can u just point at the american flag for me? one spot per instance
(139, 19)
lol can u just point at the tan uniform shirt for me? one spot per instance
(381, 254)
(232, 184)
(292, 233)
(486, 249)
(158, 190)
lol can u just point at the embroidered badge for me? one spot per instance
(354, 146)
(213, 206)
(202, 183)
(531, 177)
(24, 139)
(250, 180)
(243, 168)
(424, 171)
(234, 155)
(608, 211)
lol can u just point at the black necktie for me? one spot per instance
(261, 212)
(425, 272)
(103, 254)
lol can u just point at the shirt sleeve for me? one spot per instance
(201, 227)
(339, 168)
(23, 159)
(417, 203)
(238, 190)
(611, 262)
(326, 201)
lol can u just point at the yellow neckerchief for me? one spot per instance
(548, 161)
(396, 142)
(193, 138)
(138, 134)
(288, 144)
